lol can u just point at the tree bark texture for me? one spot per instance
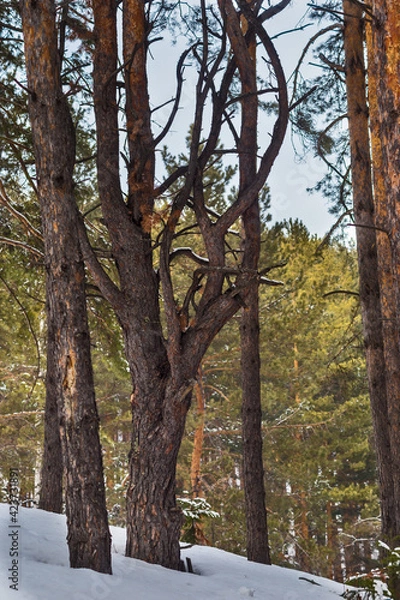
(195, 466)
(364, 213)
(51, 490)
(54, 145)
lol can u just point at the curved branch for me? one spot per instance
(204, 84)
(246, 198)
(105, 284)
(347, 292)
(188, 252)
(305, 50)
(23, 245)
(175, 108)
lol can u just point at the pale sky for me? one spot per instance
(289, 179)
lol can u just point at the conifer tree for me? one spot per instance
(163, 354)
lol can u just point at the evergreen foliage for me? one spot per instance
(318, 457)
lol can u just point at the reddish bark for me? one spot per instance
(54, 145)
(384, 74)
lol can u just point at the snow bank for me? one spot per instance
(42, 572)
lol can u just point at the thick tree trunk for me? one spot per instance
(158, 415)
(154, 520)
(370, 298)
(51, 490)
(390, 529)
(383, 43)
(54, 145)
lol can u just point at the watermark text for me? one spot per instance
(13, 530)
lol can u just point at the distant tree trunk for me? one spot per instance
(302, 554)
(51, 490)
(334, 557)
(370, 297)
(54, 145)
(253, 468)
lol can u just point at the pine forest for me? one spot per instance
(173, 358)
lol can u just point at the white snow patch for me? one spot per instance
(44, 574)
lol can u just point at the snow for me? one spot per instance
(39, 538)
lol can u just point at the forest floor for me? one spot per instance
(36, 542)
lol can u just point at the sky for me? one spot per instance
(290, 177)
(36, 542)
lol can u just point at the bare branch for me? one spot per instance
(108, 288)
(303, 98)
(310, 42)
(179, 172)
(28, 227)
(328, 236)
(188, 252)
(274, 10)
(346, 292)
(257, 93)
(23, 245)
(179, 77)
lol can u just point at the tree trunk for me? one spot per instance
(390, 529)
(253, 469)
(383, 43)
(195, 467)
(370, 298)
(333, 544)
(383, 74)
(51, 490)
(54, 145)
(154, 520)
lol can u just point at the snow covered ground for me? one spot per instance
(36, 542)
